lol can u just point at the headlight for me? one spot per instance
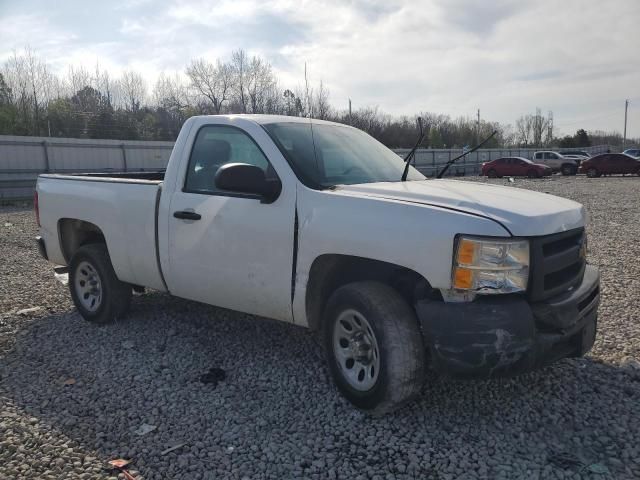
(489, 265)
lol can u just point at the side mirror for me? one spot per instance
(245, 178)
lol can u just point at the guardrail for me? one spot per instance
(22, 159)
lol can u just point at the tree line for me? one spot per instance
(87, 103)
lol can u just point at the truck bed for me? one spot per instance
(156, 176)
(122, 205)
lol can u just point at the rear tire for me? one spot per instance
(492, 174)
(374, 346)
(96, 291)
(592, 173)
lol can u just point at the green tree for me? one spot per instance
(581, 138)
(435, 139)
(8, 113)
(567, 142)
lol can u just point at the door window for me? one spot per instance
(217, 145)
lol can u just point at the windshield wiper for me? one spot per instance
(451, 162)
(411, 154)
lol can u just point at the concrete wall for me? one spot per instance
(22, 159)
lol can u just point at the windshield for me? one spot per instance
(323, 156)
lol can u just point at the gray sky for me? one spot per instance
(578, 58)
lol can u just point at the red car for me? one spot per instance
(514, 167)
(609, 163)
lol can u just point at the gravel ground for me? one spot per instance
(72, 395)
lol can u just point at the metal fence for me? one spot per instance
(22, 159)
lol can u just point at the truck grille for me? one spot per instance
(557, 263)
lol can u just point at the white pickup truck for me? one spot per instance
(308, 222)
(565, 164)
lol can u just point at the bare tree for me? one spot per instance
(240, 66)
(31, 85)
(538, 126)
(322, 108)
(103, 84)
(170, 93)
(259, 84)
(211, 81)
(524, 130)
(77, 79)
(133, 90)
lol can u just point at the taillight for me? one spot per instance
(36, 207)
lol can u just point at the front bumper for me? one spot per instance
(506, 335)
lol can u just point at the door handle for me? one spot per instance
(184, 215)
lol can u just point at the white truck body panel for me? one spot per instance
(124, 211)
(522, 212)
(417, 236)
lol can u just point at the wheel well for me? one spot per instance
(330, 272)
(76, 233)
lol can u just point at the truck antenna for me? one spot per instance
(412, 153)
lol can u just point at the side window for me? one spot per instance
(216, 145)
(538, 156)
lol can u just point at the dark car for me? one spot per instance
(514, 167)
(609, 163)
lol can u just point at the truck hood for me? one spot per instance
(522, 212)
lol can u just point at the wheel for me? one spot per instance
(96, 291)
(374, 346)
(568, 170)
(592, 173)
(532, 174)
(492, 174)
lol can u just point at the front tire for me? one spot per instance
(374, 346)
(533, 174)
(492, 174)
(96, 291)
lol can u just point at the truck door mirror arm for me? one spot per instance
(249, 179)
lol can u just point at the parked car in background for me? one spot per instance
(557, 162)
(575, 153)
(609, 163)
(634, 152)
(514, 167)
(579, 155)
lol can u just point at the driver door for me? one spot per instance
(229, 249)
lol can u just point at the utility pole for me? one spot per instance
(350, 112)
(626, 107)
(478, 129)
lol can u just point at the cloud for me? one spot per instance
(505, 57)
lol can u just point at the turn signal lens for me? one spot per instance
(463, 278)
